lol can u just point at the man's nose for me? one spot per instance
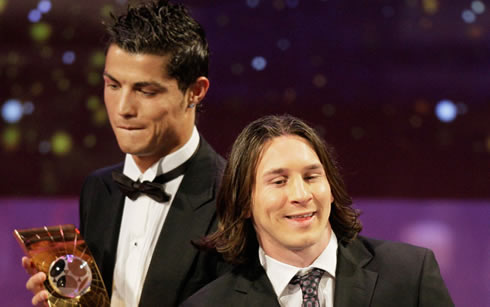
(127, 104)
(299, 191)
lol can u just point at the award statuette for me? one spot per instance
(73, 279)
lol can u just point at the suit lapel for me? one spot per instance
(113, 221)
(354, 285)
(254, 283)
(189, 218)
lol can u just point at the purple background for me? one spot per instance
(456, 230)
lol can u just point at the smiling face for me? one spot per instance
(150, 116)
(291, 200)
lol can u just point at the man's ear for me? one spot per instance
(197, 91)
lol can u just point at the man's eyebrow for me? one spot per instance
(138, 85)
(275, 171)
(313, 167)
(280, 170)
(106, 74)
(149, 83)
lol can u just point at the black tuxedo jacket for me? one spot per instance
(369, 273)
(177, 269)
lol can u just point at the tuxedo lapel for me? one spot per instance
(190, 217)
(102, 230)
(354, 285)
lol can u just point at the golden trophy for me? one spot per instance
(73, 279)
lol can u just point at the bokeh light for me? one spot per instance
(478, 7)
(3, 4)
(61, 143)
(292, 3)
(11, 138)
(44, 6)
(28, 108)
(40, 31)
(253, 3)
(319, 80)
(12, 111)
(97, 59)
(430, 6)
(468, 16)
(44, 147)
(68, 57)
(283, 44)
(93, 103)
(446, 110)
(259, 63)
(100, 117)
(34, 15)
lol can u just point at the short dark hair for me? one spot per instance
(236, 238)
(163, 28)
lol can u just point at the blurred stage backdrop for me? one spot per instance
(399, 88)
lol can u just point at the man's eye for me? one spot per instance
(112, 86)
(311, 177)
(146, 93)
(279, 181)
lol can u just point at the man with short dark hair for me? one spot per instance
(285, 221)
(155, 78)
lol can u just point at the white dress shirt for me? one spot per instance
(141, 224)
(280, 274)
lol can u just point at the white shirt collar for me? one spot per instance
(165, 164)
(280, 274)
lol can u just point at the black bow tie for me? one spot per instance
(154, 189)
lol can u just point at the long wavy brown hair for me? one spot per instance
(235, 237)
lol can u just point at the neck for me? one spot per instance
(144, 162)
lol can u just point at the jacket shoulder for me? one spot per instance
(216, 293)
(389, 249)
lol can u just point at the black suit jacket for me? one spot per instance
(369, 273)
(177, 269)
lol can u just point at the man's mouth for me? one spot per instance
(129, 128)
(301, 216)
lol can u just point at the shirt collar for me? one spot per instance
(165, 164)
(280, 274)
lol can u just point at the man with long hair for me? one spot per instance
(286, 223)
